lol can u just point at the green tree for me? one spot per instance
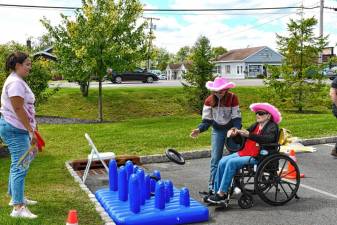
(217, 51)
(301, 84)
(41, 43)
(199, 73)
(183, 54)
(105, 34)
(161, 58)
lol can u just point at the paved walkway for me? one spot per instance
(318, 192)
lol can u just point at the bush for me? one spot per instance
(260, 76)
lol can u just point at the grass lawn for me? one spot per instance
(145, 121)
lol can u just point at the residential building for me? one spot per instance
(175, 71)
(246, 62)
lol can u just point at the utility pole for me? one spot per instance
(152, 26)
(321, 8)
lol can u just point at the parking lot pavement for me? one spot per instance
(318, 192)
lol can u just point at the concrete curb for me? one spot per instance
(317, 141)
(187, 155)
(207, 153)
(100, 210)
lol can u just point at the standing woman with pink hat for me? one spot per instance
(263, 131)
(221, 111)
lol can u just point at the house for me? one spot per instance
(47, 54)
(175, 71)
(327, 53)
(246, 62)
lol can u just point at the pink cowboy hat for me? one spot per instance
(219, 84)
(274, 112)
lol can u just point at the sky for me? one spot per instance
(232, 30)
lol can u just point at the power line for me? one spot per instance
(228, 9)
(165, 10)
(214, 14)
(39, 6)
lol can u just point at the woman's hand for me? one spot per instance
(243, 133)
(33, 138)
(195, 133)
(232, 132)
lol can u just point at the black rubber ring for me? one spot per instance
(230, 149)
(174, 156)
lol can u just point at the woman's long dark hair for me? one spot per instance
(14, 58)
(215, 99)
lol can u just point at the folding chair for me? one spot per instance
(95, 155)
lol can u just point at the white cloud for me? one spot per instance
(173, 32)
(222, 33)
(20, 23)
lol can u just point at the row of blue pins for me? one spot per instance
(134, 185)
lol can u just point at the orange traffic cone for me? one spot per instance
(72, 218)
(291, 172)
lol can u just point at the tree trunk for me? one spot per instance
(300, 97)
(100, 106)
(84, 87)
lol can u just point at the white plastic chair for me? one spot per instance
(95, 155)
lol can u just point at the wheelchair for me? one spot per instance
(268, 178)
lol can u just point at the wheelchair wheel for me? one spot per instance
(272, 182)
(245, 180)
(245, 201)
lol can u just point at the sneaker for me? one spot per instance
(23, 212)
(207, 193)
(334, 152)
(216, 199)
(25, 201)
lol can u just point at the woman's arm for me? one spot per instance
(17, 103)
(268, 137)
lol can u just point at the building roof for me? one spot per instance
(239, 54)
(176, 66)
(46, 53)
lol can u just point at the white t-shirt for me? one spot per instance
(16, 86)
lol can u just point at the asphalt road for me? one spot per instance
(318, 192)
(160, 83)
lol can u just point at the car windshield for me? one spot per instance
(139, 70)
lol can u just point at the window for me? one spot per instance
(241, 69)
(238, 69)
(228, 69)
(217, 69)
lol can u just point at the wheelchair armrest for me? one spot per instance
(270, 145)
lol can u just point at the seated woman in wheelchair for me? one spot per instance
(263, 131)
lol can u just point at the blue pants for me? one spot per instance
(18, 143)
(227, 169)
(218, 142)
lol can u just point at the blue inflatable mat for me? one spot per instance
(173, 213)
(136, 198)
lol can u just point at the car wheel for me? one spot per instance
(149, 79)
(118, 80)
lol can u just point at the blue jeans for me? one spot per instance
(227, 169)
(18, 143)
(218, 142)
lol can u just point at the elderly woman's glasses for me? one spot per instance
(261, 113)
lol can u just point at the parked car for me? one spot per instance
(138, 74)
(331, 73)
(157, 72)
(162, 77)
